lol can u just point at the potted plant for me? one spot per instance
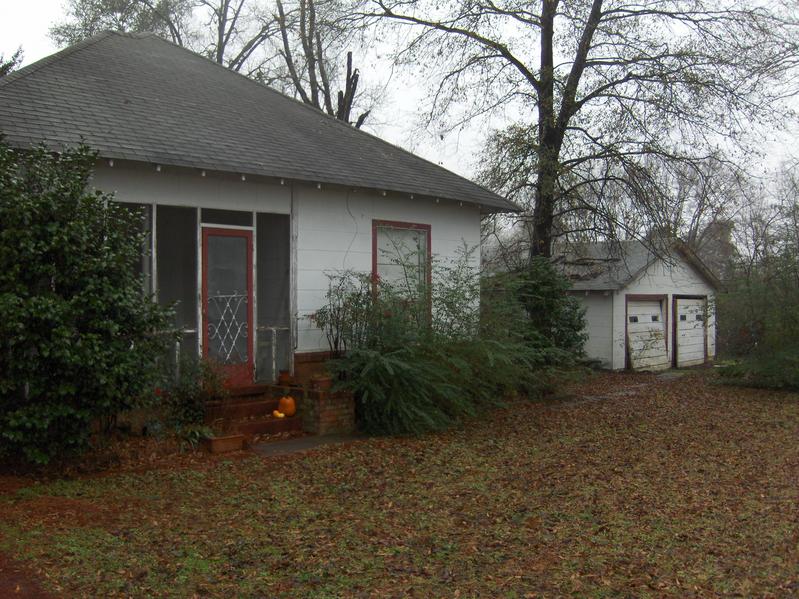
(224, 443)
(222, 437)
(193, 396)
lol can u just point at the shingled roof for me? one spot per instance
(613, 265)
(139, 97)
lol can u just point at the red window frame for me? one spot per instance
(395, 224)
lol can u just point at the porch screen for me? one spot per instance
(176, 262)
(273, 264)
(143, 266)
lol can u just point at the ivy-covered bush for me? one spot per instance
(424, 361)
(79, 342)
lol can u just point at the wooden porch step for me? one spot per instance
(268, 426)
(234, 409)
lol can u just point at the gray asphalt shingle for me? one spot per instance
(602, 265)
(613, 265)
(136, 96)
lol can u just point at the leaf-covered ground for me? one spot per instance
(640, 486)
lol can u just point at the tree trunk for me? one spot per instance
(541, 242)
(548, 144)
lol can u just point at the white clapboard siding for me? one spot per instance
(332, 226)
(598, 308)
(691, 332)
(646, 335)
(334, 233)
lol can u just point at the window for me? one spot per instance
(401, 254)
(633, 319)
(226, 217)
(176, 263)
(699, 317)
(683, 317)
(656, 318)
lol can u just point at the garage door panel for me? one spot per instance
(646, 334)
(648, 351)
(690, 341)
(695, 349)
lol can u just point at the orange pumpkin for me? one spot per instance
(287, 405)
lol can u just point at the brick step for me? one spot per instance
(233, 409)
(267, 426)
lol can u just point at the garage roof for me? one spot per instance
(612, 265)
(139, 97)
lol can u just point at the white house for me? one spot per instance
(249, 196)
(644, 310)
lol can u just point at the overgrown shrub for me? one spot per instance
(758, 313)
(78, 340)
(187, 391)
(553, 317)
(533, 306)
(423, 362)
(759, 308)
(777, 370)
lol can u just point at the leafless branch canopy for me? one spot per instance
(608, 95)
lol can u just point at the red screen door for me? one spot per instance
(227, 302)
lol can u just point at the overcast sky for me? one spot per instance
(25, 23)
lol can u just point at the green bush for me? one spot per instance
(758, 312)
(78, 341)
(188, 390)
(401, 391)
(534, 304)
(778, 370)
(423, 361)
(758, 315)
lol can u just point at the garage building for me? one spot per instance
(645, 310)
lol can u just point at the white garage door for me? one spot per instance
(691, 332)
(646, 335)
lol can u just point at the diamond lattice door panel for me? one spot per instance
(227, 302)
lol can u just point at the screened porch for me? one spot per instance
(228, 275)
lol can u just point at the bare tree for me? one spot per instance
(236, 34)
(86, 18)
(297, 45)
(233, 33)
(599, 84)
(10, 64)
(311, 78)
